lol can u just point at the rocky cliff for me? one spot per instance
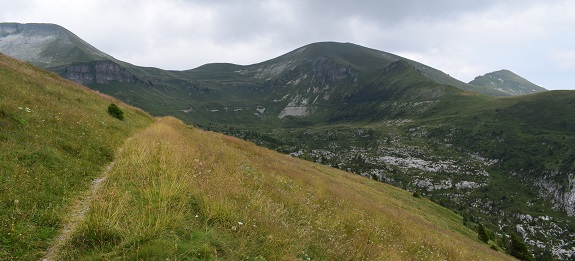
(98, 72)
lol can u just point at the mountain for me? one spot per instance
(508, 82)
(57, 49)
(79, 183)
(503, 162)
(46, 45)
(189, 94)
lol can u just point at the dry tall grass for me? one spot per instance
(181, 193)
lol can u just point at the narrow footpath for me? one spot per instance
(77, 214)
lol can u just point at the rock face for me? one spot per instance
(27, 42)
(99, 72)
(562, 194)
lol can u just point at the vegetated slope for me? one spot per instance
(56, 136)
(182, 193)
(507, 81)
(504, 162)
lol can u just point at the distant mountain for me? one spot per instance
(508, 82)
(55, 48)
(46, 45)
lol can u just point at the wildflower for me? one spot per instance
(240, 223)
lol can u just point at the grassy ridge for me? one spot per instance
(182, 193)
(56, 137)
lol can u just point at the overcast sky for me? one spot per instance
(465, 38)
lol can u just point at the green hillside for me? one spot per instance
(178, 192)
(56, 137)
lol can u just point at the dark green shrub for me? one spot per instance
(415, 194)
(518, 248)
(115, 111)
(482, 233)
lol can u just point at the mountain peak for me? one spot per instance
(46, 45)
(508, 82)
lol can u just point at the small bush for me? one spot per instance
(519, 249)
(482, 233)
(115, 111)
(415, 194)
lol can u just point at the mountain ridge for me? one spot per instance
(83, 52)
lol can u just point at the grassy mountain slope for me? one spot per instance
(507, 81)
(181, 193)
(56, 136)
(178, 192)
(504, 162)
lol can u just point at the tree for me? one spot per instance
(482, 233)
(115, 111)
(518, 248)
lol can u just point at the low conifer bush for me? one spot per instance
(115, 111)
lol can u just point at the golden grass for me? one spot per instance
(181, 193)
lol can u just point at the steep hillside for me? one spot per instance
(56, 137)
(508, 82)
(178, 192)
(181, 193)
(504, 162)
